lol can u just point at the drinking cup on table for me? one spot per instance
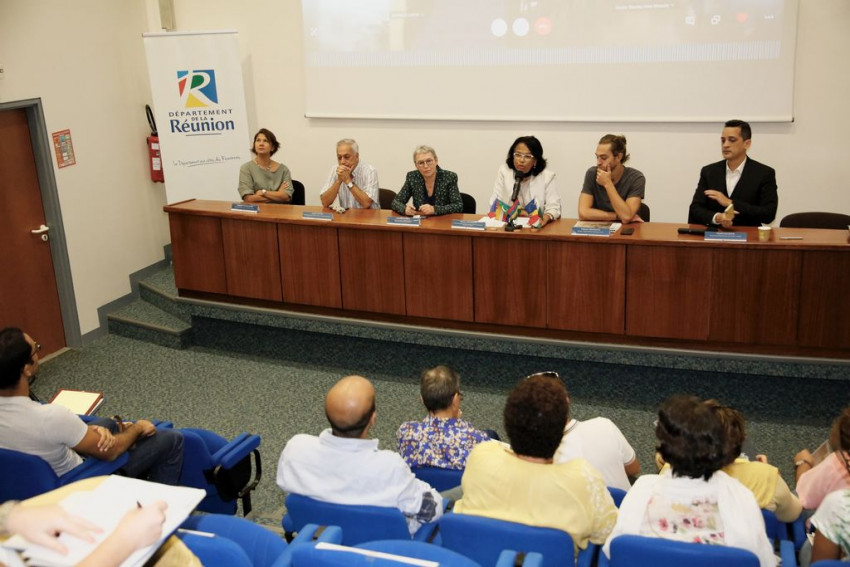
(764, 233)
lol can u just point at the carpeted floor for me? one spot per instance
(272, 382)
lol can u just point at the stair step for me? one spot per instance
(144, 321)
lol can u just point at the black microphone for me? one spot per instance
(518, 175)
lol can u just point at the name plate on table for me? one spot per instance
(593, 228)
(404, 221)
(317, 216)
(469, 224)
(717, 236)
(245, 208)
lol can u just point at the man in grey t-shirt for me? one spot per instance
(611, 191)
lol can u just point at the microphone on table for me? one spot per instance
(518, 177)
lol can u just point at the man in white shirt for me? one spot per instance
(343, 466)
(747, 184)
(601, 443)
(60, 437)
(351, 183)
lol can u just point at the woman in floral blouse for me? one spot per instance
(433, 189)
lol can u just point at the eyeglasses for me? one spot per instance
(36, 349)
(545, 374)
(459, 394)
(423, 162)
(523, 157)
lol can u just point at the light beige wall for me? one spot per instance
(805, 153)
(85, 60)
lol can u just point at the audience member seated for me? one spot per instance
(351, 184)
(263, 180)
(522, 483)
(603, 445)
(832, 520)
(443, 439)
(815, 481)
(433, 189)
(611, 191)
(343, 466)
(538, 195)
(44, 524)
(771, 491)
(60, 437)
(693, 500)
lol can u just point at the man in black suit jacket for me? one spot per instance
(750, 185)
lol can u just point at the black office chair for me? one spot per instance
(385, 198)
(643, 212)
(815, 220)
(298, 193)
(468, 204)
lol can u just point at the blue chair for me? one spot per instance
(511, 558)
(359, 523)
(397, 552)
(639, 551)
(829, 563)
(241, 543)
(617, 494)
(441, 479)
(23, 476)
(483, 540)
(778, 531)
(222, 468)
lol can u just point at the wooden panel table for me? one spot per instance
(655, 287)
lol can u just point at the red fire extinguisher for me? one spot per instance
(154, 156)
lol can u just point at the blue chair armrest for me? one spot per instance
(797, 532)
(93, 467)
(787, 553)
(603, 560)
(508, 559)
(331, 534)
(425, 533)
(237, 450)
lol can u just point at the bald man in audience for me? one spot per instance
(343, 466)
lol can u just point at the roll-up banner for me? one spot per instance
(199, 105)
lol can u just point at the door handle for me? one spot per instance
(41, 230)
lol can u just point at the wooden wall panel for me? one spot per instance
(251, 259)
(755, 296)
(309, 265)
(438, 276)
(197, 253)
(510, 281)
(825, 300)
(372, 271)
(668, 292)
(587, 286)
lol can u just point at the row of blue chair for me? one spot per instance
(210, 462)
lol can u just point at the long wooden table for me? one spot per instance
(655, 287)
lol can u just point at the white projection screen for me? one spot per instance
(550, 60)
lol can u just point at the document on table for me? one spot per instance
(105, 506)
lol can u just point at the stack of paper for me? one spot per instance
(105, 506)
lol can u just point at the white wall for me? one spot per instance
(805, 153)
(86, 62)
(85, 59)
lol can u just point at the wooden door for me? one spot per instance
(28, 294)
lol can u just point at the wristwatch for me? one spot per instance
(263, 192)
(801, 461)
(350, 184)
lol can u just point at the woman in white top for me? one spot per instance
(693, 501)
(525, 163)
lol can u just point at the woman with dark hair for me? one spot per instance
(522, 484)
(525, 163)
(814, 482)
(263, 180)
(693, 501)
